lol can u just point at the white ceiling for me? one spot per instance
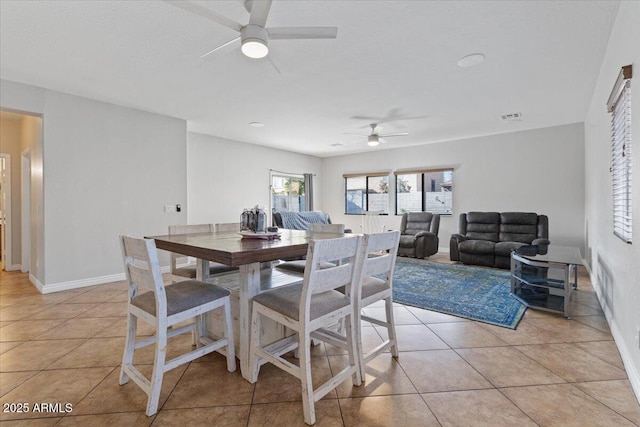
(390, 58)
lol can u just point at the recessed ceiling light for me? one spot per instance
(471, 60)
(337, 144)
(256, 124)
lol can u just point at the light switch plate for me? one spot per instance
(170, 209)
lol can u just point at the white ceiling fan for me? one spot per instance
(394, 115)
(254, 36)
(375, 137)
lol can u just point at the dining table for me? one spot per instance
(250, 254)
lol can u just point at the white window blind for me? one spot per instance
(619, 106)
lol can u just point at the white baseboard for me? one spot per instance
(82, 283)
(13, 267)
(633, 371)
(36, 282)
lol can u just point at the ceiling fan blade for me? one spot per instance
(351, 133)
(389, 135)
(219, 47)
(274, 64)
(259, 12)
(205, 13)
(398, 119)
(289, 33)
(368, 118)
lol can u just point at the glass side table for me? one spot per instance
(542, 277)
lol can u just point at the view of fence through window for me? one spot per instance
(429, 191)
(287, 193)
(367, 193)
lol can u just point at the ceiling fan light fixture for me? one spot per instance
(254, 41)
(373, 140)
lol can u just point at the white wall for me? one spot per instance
(107, 170)
(224, 177)
(538, 170)
(615, 264)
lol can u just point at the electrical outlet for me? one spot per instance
(170, 209)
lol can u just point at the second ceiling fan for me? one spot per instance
(254, 36)
(375, 137)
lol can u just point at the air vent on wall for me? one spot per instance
(512, 117)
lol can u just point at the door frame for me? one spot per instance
(5, 200)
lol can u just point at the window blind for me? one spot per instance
(620, 107)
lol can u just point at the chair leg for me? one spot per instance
(391, 327)
(354, 345)
(158, 370)
(129, 347)
(231, 352)
(308, 403)
(198, 333)
(254, 360)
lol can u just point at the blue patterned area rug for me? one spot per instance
(474, 293)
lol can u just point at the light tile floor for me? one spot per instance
(65, 348)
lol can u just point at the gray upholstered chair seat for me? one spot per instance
(298, 266)
(189, 271)
(181, 296)
(286, 300)
(372, 285)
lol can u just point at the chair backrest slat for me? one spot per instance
(228, 226)
(186, 229)
(141, 265)
(382, 249)
(317, 280)
(326, 228)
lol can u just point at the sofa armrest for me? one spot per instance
(454, 242)
(426, 244)
(541, 242)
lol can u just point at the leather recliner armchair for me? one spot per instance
(488, 238)
(419, 234)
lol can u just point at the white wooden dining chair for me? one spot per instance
(162, 307)
(297, 266)
(188, 271)
(308, 308)
(377, 284)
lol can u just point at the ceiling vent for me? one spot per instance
(512, 117)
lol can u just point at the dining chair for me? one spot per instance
(307, 308)
(189, 271)
(297, 266)
(163, 307)
(227, 226)
(377, 284)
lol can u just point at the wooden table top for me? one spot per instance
(231, 249)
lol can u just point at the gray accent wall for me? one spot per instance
(539, 170)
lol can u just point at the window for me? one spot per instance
(366, 192)
(427, 190)
(619, 105)
(287, 192)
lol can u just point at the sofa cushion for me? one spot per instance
(479, 247)
(518, 227)
(505, 248)
(483, 226)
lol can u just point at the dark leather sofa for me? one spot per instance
(419, 234)
(487, 238)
